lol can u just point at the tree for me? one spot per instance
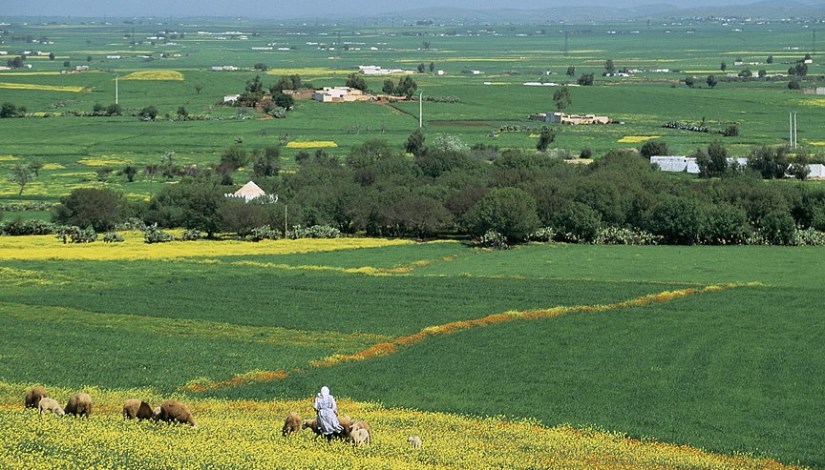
(762, 73)
(67, 64)
(51, 55)
(198, 88)
(10, 110)
(585, 79)
(509, 211)
(102, 208)
(609, 66)
(713, 162)
(746, 73)
(36, 165)
(418, 215)
(267, 162)
(406, 87)
(723, 66)
(578, 222)
(182, 113)
(690, 81)
(356, 81)
(769, 59)
(426, 45)
(130, 173)
(562, 98)
(421, 67)
(260, 66)
(571, 71)
(233, 158)
(546, 137)
(114, 110)
(88, 58)
(654, 148)
(389, 87)
(794, 84)
(711, 81)
(283, 100)
(148, 113)
(432, 67)
(770, 163)
(415, 143)
(21, 175)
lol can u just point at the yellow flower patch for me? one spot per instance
(173, 75)
(309, 71)
(635, 139)
(102, 162)
(311, 144)
(247, 434)
(53, 166)
(33, 86)
(8, 158)
(134, 248)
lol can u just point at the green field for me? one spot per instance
(730, 371)
(507, 57)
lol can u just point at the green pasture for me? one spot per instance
(507, 55)
(730, 371)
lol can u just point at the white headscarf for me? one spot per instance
(324, 392)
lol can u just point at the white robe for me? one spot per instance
(327, 413)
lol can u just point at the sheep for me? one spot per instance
(356, 425)
(134, 408)
(292, 423)
(34, 396)
(346, 423)
(414, 441)
(50, 404)
(174, 411)
(80, 404)
(311, 424)
(359, 436)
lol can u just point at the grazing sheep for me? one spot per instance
(34, 396)
(346, 423)
(360, 436)
(134, 408)
(173, 411)
(356, 425)
(50, 404)
(292, 423)
(311, 424)
(414, 441)
(80, 404)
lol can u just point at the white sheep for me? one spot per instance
(414, 441)
(359, 436)
(50, 404)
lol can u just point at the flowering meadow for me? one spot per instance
(545, 356)
(247, 434)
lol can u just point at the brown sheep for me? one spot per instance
(311, 424)
(356, 425)
(80, 404)
(346, 423)
(34, 395)
(134, 408)
(414, 441)
(173, 411)
(292, 423)
(50, 404)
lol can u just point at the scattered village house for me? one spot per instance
(337, 94)
(249, 192)
(572, 119)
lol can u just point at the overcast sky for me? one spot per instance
(284, 9)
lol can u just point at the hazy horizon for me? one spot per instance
(269, 9)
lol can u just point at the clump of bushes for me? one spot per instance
(265, 232)
(75, 234)
(112, 237)
(493, 240)
(192, 235)
(155, 235)
(624, 236)
(316, 231)
(18, 226)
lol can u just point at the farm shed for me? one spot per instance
(817, 171)
(675, 163)
(575, 119)
(248, 192)
(337, 94)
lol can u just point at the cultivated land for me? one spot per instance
(680, 347)
(490, 103)
(709, 347)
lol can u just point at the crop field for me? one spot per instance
(492, 109)
(636, 357)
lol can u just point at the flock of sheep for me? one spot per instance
(80, 404)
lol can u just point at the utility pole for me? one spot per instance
(792, 133)
(420, 109)
(116, 90)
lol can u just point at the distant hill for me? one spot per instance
(767, 9)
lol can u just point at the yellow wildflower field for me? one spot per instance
(102, 162)
(247, 434)
(53, 166)
(635, 139)
(8, 158)
(311, 144)
(32, 86)
(155, 75)
(134, 248)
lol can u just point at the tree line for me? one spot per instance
(445, 188)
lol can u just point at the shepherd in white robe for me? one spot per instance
(327, 413)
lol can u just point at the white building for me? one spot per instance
(339, 94)
(248, 192)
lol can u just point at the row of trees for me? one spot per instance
(450, 189)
